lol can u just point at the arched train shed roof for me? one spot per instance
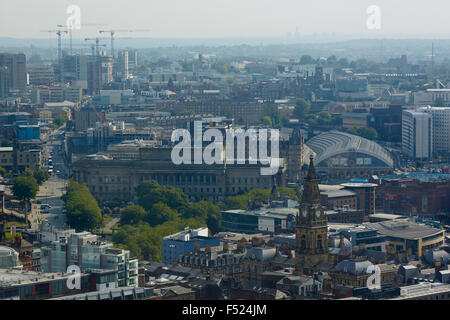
(332, 143)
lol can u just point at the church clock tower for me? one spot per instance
(311, 227)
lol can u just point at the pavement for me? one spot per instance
(110, 224)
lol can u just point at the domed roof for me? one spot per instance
(6, 251)
(353, 266)
(259, 253)
(335, 242)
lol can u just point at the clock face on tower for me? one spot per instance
(304, 212)
(318, 212)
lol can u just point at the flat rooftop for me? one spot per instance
(13, 277)
(404, 229)
(387, 216)
(266, 212)
(338, 193)
(422, 289)
(359, 185)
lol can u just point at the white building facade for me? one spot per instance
(417, 134)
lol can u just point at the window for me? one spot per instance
(303, 242)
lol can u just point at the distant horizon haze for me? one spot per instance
(215, 19)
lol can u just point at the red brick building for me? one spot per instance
(407, 196)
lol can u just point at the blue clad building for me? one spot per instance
(28, 132)
(175, 245)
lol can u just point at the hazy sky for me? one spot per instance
(228, 18)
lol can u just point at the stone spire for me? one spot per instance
(311, 192)
(311, 170)
(275, 194)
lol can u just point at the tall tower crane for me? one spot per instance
(59, 32)
(97, 45)
(112, 34)
(70, 31)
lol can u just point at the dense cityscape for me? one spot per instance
(135, 172)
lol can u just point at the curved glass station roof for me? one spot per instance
(340, 149)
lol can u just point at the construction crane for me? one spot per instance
(70, 31)
(59, 32)
(112, 34)
(97, 45)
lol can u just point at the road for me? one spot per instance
(52, 189)
(109, 225)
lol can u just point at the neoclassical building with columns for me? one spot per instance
(116, 179)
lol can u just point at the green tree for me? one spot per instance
(307, 59)
(267, 121)
(284, 120)
(60, 120)
(273, 113)
(41, 176)
(28, 172)
(331, 60)
(291, 193)
(302, 108)
(145, 187)
(324, 118)
(160, 213)
(242, 201)
(236, 202)
(343, 63)
(2, 171)
(368, 133)
(132, 214)
(83, 212)
(25, 188)
(145, 241)
(299, 193)
(207, 212)
(150, 193)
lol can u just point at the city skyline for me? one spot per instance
(216, 19)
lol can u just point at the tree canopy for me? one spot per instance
(132, 215)
(25, 187)
(59, 120)
(302, 108)
(368, 133)
(159, 214)
(145, 241)
(83, 212)
(150, 192)
(41, 176)
(307, 59)
(161, 211)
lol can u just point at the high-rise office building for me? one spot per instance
(417, 134)
(440, 117)
(4, 82)
(13, 72)
(122, 71)
(40, 75)
(132, 60)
